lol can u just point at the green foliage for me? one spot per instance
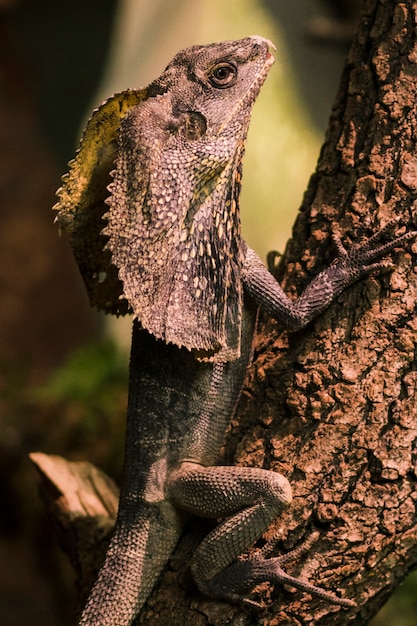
(88, 373)
(81, 411)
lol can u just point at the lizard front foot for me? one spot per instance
(368, 257)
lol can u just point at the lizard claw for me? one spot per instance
(272, 260)
(234, 583)
(280, 576)
(341, 251)
(368, 257)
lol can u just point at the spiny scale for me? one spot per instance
(82, 196)
(181, 278)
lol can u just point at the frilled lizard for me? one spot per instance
(167, 160)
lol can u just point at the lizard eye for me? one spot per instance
(223, 75)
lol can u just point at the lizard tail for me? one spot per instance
(138, 551)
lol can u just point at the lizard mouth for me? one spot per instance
(243, 109)
(255, 87)
(269, 44)
(266, 46)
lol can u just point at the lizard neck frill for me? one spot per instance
(175, 236)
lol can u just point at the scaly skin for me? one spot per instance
(173, 234)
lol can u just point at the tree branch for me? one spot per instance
(83, 503)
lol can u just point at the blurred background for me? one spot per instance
(63, 367)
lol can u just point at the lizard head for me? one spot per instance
(216, 86)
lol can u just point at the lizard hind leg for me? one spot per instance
(250, 499)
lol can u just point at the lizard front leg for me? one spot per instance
(348, 267)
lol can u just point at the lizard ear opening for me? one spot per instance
(193, 125)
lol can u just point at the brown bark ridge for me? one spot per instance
(82, 501)
(332, 407)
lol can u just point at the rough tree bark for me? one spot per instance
(333, 407)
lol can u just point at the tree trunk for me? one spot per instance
(332, 407)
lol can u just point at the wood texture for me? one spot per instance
(337, 401)
(82, 501)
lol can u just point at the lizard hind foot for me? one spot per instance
(236, 581)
